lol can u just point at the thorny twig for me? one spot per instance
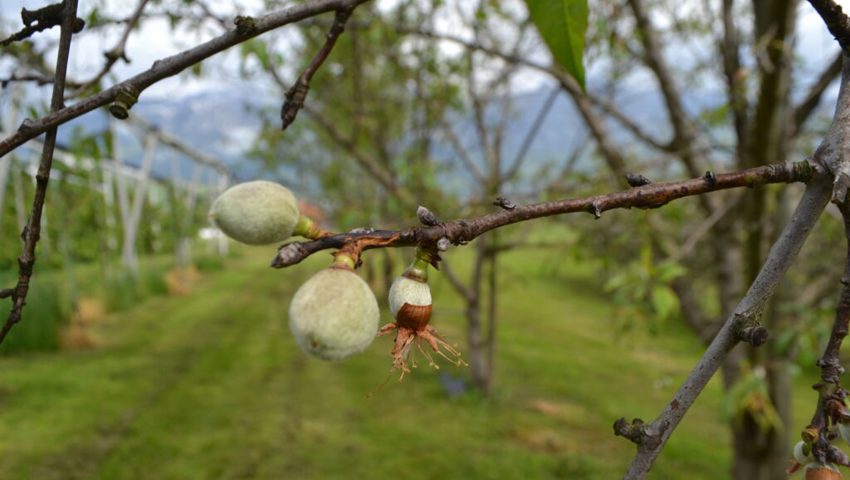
(32, 230)
(296, 95)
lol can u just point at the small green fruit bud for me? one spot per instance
(334, 314)
(408, 290)
(802, 452)
(256, 213)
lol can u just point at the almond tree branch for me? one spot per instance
(366, 162)
(39, 20)
(651, 437)
(736, 86)
(167, 139)
(531, 134)
(685, 135)
(558, 74)
(836, 21)
(246, 28)
(802, 111)
(831, 396)
(463, 154)
(32, 230)
(831, 408)
(296, 95)
(117, 52)
(39, 80)
(462, 231)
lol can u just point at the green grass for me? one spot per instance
(211, 385)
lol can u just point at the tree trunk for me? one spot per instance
(479, 366)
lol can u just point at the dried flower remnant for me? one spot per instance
(410, 304)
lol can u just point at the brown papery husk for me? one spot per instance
(414, 317)
(822, 473)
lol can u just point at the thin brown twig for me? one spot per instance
(803, 110)
(296, 95)
(39, 80)
(31, 232)
(248, 28)
(462, 231)
(831, 395)
(39, 20)
(118, 51)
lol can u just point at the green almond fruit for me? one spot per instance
(334, 314)
(256, 213)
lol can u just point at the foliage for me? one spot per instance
(49, 310)
(562, 25)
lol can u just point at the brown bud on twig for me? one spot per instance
(504, 203)
(637, 180)
(755, 335)
(426, 217)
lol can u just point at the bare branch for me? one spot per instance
(463, 154)
(39, 80)
(39, 20)
(296, 95)
(735, 80)
(368, 163)
(177, 144)
(117, 52)
(531, 134)
(32, 231)
(836, 21)
(167, 67)
(612, 111)
(831, 396)
(653, 436)
(685, 134)
(462, 231)
(802, 111)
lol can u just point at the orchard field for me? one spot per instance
(210, 384)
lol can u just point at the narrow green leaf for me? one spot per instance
(562, 25)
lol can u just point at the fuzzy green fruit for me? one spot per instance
(256, 213)
(407, 290)
(334, 314)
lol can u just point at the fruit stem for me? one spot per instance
(418, 269)
(307, 228)
(344, 261)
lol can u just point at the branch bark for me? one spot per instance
(32, 231)
(652, 437)
(462, 231)
(247, 28)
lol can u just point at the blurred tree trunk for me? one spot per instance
(760, 451)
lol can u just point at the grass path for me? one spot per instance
(211, 386)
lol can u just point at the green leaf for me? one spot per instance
(664, 302)
(562, 24)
